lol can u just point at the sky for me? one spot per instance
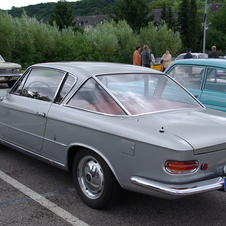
(8, 4)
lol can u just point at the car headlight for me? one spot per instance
(17, 70)
(181, 167)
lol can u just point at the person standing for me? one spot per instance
(152, 58)
(188, 55)
(146, 56)
(137, 56)
(213, 53)
(166, 59)
(188, 70)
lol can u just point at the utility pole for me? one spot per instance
(204, 28)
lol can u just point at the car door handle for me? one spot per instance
(41, 114)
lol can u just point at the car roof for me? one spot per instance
(202, 62)
(87, 69)
(194, 54)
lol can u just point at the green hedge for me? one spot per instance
(26, 41)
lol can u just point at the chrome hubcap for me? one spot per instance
(90, 177)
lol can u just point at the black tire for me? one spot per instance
(94, 181)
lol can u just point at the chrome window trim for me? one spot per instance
(96, 112)
(118, 102)
(111, 95)
(61, 83)
(103, 87)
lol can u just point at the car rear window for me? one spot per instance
(145, 93)
(91, 96)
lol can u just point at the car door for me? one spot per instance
(189, 76)
(214, 89)
(23, 110)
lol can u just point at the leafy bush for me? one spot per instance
(114, 41)
(7, 35)
(26, 41)
(160, 38)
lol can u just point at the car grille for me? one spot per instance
(9, 71)
(6, 71)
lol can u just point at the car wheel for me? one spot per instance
(94, 181)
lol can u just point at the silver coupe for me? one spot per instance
(115, 126)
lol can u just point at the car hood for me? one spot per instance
(204, 130)
(9, 65)
(3, 92)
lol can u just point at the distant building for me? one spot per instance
(213, 7)
(157, 14)
(88, 22)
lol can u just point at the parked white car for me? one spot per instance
(194, 55)
(9, 72)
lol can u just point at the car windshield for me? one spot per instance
(194, 55)
(145, 93)
(202, 56)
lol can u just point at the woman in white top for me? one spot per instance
(166, 59)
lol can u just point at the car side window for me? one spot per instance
(17, 90)
(180, 57)
(188, 76)
(215, 80)
(40, 84)
(91, 96)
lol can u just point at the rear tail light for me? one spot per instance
(178, 167)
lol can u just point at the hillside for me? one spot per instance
(86, 7)
(80, 8)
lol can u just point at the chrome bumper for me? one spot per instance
(9, 77)
(180, 190)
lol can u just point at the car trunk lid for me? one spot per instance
(204, 130)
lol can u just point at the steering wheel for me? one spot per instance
(40, 83)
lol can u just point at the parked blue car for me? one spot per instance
(204, 78)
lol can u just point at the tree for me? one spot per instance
(216, 38)
(189, 24)
(194, 28)
(183, 22)
(169, 39)
(134, 12)
(164, 12)
(218, 20)
(7, 36)
(168, 17)
(216, 29)
(157, 4)
(62, 15)
(113, 41)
